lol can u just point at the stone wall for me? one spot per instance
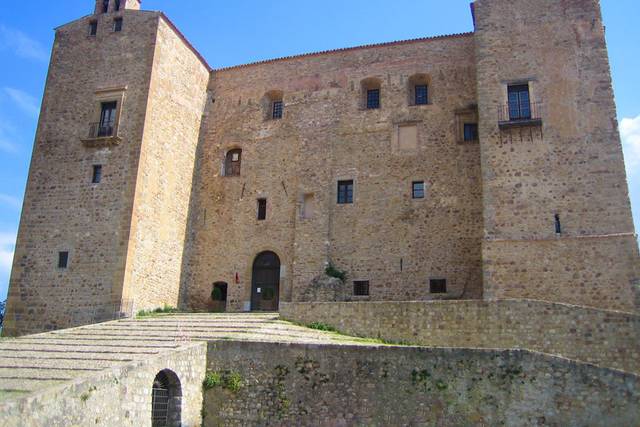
(324, 136)
(177, 94)
(117, 397)
(604, 338)
(310, 385)
(570, 164)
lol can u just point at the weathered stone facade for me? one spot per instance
(528, 206)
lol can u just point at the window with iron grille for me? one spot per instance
(361, 288)
(373, 99)
(470, 131)
(93, 28)
(422, 95)
(63, 259)
(117, 25)
(233, 162)
(262, 209)
(97, 174)
(417, 190)
(345, 192)
(107, 119)
(438, 286)
(277, 109)
(519, 102)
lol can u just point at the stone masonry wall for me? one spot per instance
(177, 95)
(604, 338)
(570, 165)
(63, 210)
(326, 135)
(311, 385)
(116, 397)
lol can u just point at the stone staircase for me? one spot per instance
(32, 363)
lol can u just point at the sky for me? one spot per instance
(235, 32)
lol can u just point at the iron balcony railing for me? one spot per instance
(514, 113)
(102, 130)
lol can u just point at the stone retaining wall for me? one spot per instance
(606, 338)
(312, 385)
(117, 397)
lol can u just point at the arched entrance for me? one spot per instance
(265, 282)
(166, 400)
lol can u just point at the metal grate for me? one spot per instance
(373, 99)
(277, 110)
(160, 406)
(422, 95)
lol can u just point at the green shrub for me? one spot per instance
(211, 380)
(230, 380)
(233, 381)
(322, 327)
(331, 271)
(160, 310)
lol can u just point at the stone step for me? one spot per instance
(24, 385)
(71, 356)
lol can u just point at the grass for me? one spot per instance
(157, 312)
(231, 380)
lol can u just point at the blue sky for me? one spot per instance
(248, 30)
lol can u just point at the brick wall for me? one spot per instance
(604, 338)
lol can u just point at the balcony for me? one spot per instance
(102, 134)
(518, 114)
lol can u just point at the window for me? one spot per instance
(438, 286)
(219, 291)
(417, 191)
(470, 131)
(373, 99)
(117, 25)
(107, 119)
(63, 259)
(519, 102)
(422, 94)
(97, 174)
(117, 6)
(233, 162)
(405, 139)
(345, 192)
(558, 224)
(105, 6)
(262, 209)
(93, 28)
(361, 288)
(276, 110)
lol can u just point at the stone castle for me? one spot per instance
(478, 166)
(457, 204)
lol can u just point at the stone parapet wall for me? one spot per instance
(311, 385)
(117, 397)
(604, 338)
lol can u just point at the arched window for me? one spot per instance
(419, 89)
(371, 95)
(232, 162)
(166, 400)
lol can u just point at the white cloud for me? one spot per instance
(21, 44)
(630, 132)
(10, 201)
(24, 101)
(7, 136)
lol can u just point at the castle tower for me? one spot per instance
(557, 215)
(106, 203)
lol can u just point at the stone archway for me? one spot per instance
(166, 400)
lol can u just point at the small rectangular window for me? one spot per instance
(117, 25)
(361, 288)
(470, 131)
(277, 110)
(345, 192)
(105, 6)
(97, 174)
(307, 206)
(117, 6)
(262, 209)
(438, 286)
(417, 191)
(373, 99)
(63, 259)
(93, 28)
(422, 95)
(558, 224)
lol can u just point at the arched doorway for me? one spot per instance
(265, 282)
(166, 400)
